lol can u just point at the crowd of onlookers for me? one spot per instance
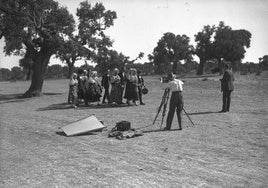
(87, 87)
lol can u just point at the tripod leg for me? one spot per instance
(165, 107)
(188, 117)
(161, 104)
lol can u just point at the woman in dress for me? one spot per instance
(82, 86)
(115, 97)
(131, 93)
(73, 90)
(97, 91)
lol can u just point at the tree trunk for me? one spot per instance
(174, 67)
(39, 70)
(71, 69)
(29, 74)
(201, 66)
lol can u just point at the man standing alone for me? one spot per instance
(227, 87)
(123, 80)
(140, 85)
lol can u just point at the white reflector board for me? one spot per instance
(83, 126)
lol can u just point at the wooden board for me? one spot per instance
(88, 124)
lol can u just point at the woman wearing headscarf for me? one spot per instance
(115, 97)
(82, 88)
(97, 91)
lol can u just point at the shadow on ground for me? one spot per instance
(61, 133)
(62, 106)
(200, 113)
(5, 97)
(160, 130)
(52, 93)
(11, 98)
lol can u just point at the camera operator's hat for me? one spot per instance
(170, 76)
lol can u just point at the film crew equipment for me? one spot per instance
(164, 108)
(144, 90)
(164, 79)
(123, 126)
(164, 105)
(188, 116)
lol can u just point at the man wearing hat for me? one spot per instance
(140, 85)
(176, 100)
(227, 87)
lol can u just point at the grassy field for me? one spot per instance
(221, 150)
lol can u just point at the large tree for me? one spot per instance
(204, 48)
(170, 49)
(37, 27)
(93, 21)
(230, 44)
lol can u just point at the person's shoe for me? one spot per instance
(104, 102)
(222, 111)
(166, 129)
(136, 104)
(142, 103)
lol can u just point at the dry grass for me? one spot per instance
(222, 150)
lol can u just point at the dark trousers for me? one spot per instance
(176, 103)
(226, 100)
(106, 95)
(140, 95)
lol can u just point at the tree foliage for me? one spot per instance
(35, 29)
(221, 42)
(108, 59)
(263, 62)
(204, 48)
(230, 44)
(93, 20)
(171, 48)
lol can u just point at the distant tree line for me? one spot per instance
(220, 43)
(190, 67)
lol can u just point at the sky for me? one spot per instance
(141, 23)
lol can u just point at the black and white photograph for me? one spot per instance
(134, 93)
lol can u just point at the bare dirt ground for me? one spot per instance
(221, 150)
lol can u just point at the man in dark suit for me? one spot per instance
(105, 82)
(140, 85)
(123, 80)
(227, 87)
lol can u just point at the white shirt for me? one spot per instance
(73, 82)
(175, 85)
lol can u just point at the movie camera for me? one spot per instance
(164, 79)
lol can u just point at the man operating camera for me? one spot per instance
(176, 100)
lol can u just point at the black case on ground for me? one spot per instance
(123, 126)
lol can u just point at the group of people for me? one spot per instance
(87, 87)
(84, 86)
